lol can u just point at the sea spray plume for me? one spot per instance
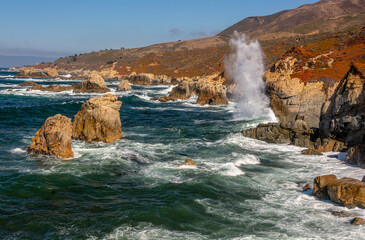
(246, 68)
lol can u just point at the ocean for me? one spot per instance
(132, 189)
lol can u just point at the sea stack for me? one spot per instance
(53, 138)
(95, 84)
(98, 120)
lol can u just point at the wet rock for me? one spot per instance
(52, 88)
(345, 191)
(357, 221)
(320, 186)
(98, 120)
(32, 74)
(356, 155)
(27, 84)
(329, 145)
(212, 94)
(188, 162)
(124, 86)
(95, 84)
(311, 151)
(53, 73)
(53, 138)
(149, 79)
(306, 187)
(341, 214)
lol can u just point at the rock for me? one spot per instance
(95, 84)
(212, 94)
(52, 88)
(320, 186)
(348, 192)
(188, 162)
(149, 79)
(356, 155)
(32, 73)
(26, 84)
(306, 187)
(341, 214)
(363, 179)
(124, 86)
(53, 138)
(343, 115)
(357, 221)
(296, 133)
(98, 120)
(329, 145)
(53, 73)
(311, 151)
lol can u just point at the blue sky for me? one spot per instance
(53, 28)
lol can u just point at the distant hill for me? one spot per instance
(323, 16)
(277, 33)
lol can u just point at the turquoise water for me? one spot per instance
(132, 188)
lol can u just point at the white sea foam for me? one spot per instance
(17, 150)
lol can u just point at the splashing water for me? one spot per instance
(246, 68)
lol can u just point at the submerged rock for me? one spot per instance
(345, 191)
(53, 138)
(98, 120)
(341, 214)
(95, 84)
(188, 162)
(124, 86)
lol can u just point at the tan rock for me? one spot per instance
(188, 162)
(52, 73)
(53, 138)
(26, 84)
(124, 86)
(32, 73)
(357, 221)
(311, 151)
(98, 120)
(306, 187)
(94, 84)
(320, 186)
(212, 94)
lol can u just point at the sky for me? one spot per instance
(44, 30)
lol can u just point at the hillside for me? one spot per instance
(277, 33)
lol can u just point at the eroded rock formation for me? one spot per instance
(53, 138)
(98, 120)
(95, 84)
(124, 86)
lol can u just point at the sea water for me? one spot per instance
(132, 189)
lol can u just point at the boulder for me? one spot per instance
(306, 187)
(345, 191)
(356, 155)
(52, 88)
(53, 138)
(212, 94)
(95, 84)
(53, 73)
(320, 186)
(188, 162)
(149, 79)
(124, 86)
(26, 84)
(357, 221)
(98, 120)
(311, 151)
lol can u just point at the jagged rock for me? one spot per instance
(53, 73)
(124, 86)
(320, 186)
(329, 145)
(296, 133)
(343, 115)
(311, 151)
(212, 94)
(306, 187)
(53, 138)
(346, 191)
(32, 73)
(98, 120)
(341, 214)
(356, 155)
(95, 84)
(357, 221)
(149, 79)
(188, 162)
(26, 84)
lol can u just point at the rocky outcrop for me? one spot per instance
(53, 138)
(49, 88)
(188, 162)
(343, 114)
(357, 221)
(95, 84)
(345, 191)
(32, 74)
(52, 73)
(98, 120)
(356, 155)
(296, 132)
(27, 84)
(149, 79)
(124, 86)
(212, 94)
